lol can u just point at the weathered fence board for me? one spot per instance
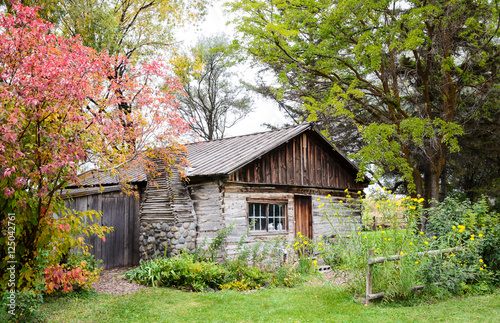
(119, 211)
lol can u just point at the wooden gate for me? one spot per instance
(303, 215)
(119, 211)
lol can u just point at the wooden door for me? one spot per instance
(303, 215)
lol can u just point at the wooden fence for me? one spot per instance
(372, 261)
(119, 211)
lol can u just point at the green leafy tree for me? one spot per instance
(137, 29)
(213, 100)
(408, 73)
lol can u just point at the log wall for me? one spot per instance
(234, 210)
(207, 202)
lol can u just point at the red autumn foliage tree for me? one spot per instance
(59, 110)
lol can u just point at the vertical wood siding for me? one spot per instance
(121, 212)
(302, 161)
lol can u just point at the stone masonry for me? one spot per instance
(175, 237)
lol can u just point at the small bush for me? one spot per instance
(79, 272)
(27, 305)
(471, 225)
(179, 271)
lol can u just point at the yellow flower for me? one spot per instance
(425, 242)
(454, 227)
(288, 246)
(295, 248)
(401, 253)
(481, 268)
(389, 239)
(347, 195)
(434, 237)
(318, 199)
(378, 206)
(320, 206)
(296, 243)
(320, 249)
(315, 262)
(298, 233)
(346, 190)
(412, 207)
(320, 244)
(301, 236)
(378, 189)
(359, 233)
(480, 235)
(480, 260)
(328, 196)
(383, 232)
(359, 192)
(348, 236)
(341, 201)
(364, 237)
(416, 262)
(411, 243)
(383, 188)
(305, 242)
(320, 236)
(421, 233)
(472, 238)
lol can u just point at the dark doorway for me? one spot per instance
(303, 215)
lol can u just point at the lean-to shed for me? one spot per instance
(270, 180)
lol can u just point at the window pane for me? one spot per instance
(266, 217)
(276, 217)
(257, 215)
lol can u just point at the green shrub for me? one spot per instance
(180, 271)
(27, 305)
(474, 227)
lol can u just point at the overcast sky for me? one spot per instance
(265, 111)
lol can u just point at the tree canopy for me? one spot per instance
(138, 29)
(409, 74)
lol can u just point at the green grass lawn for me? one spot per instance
(308, 303)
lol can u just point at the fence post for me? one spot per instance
(371, 253)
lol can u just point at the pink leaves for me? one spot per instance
(59, 109)
(8, 191)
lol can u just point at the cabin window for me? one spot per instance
(269, 217)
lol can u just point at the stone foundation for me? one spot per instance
(154, 237)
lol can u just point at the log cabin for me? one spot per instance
(270, 183)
